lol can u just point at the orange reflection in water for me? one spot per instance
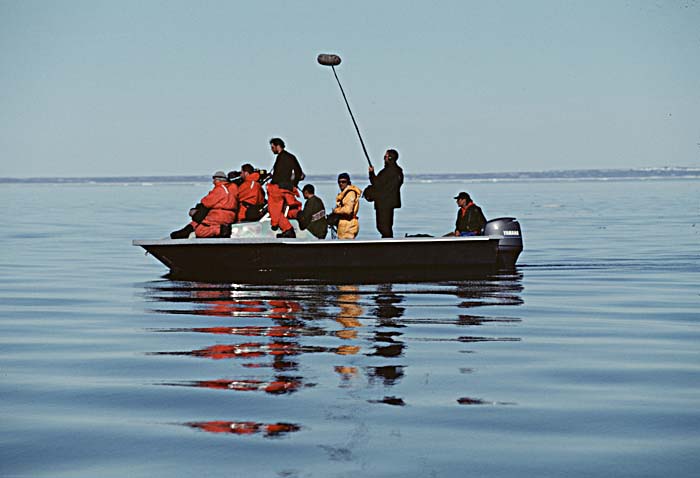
(245, 428)
(251, 331)
(350, 310)
(277, 386)
(226, 303)
(260, 349)
(363, 326)
(247, 350)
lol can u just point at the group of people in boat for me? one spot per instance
(239, 197)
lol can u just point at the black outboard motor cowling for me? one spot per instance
(510, 243)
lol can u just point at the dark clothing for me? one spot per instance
(385, 221)
(387, 196)
(387, 186)
(286, 172)
(470, 219)
(313, 217)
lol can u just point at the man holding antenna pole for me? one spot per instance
(386, 192)
(385, 188)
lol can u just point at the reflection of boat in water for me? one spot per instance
(255, 348)
(251, 255)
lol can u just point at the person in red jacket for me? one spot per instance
(215, 213)
(250, 193)
(233, 191)
(222, 204)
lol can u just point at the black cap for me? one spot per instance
(463, 195)
(345, 176)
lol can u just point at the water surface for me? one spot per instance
(582, 362)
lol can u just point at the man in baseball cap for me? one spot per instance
(470, 218)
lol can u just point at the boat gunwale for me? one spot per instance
(300, 241)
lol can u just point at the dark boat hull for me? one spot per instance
(274, 260)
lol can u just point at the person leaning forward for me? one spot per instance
(251, 196)
(286, 174)
(386, 192)
(470, 218)
(347, 203)
(313, 216)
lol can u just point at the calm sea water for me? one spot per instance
(583, 362)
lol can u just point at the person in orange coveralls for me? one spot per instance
(250, 193)
(222, 204)
(218, 207)
(286, 174)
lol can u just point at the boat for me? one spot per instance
(254, 255)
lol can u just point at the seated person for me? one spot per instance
(470, 218)
(251, 196)
(214, 214)
(313, 216)
(293, 208)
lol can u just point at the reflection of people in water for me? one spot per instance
(349, 312)
(275, 349)
(258, 331)
(347, 316)
(389, 374)
(388, 343)
(386, 311)
(280, 385)
(245, 428)
(347, 374)
(273, 337)
(218, 302)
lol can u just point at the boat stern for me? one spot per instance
(510, 239)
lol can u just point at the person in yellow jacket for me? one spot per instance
(347, 203)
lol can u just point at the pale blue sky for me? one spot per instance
(94, 88)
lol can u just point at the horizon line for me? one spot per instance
(332, 175)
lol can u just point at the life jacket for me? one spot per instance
(464, 209)
(470, 221)
(220, 197)
(233, 190)
(222, 205)
(348, 211)
(250, 193)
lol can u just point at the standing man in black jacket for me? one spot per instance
(387, 192)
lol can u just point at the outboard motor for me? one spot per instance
(510, 243)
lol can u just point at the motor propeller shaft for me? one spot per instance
(327, 59)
